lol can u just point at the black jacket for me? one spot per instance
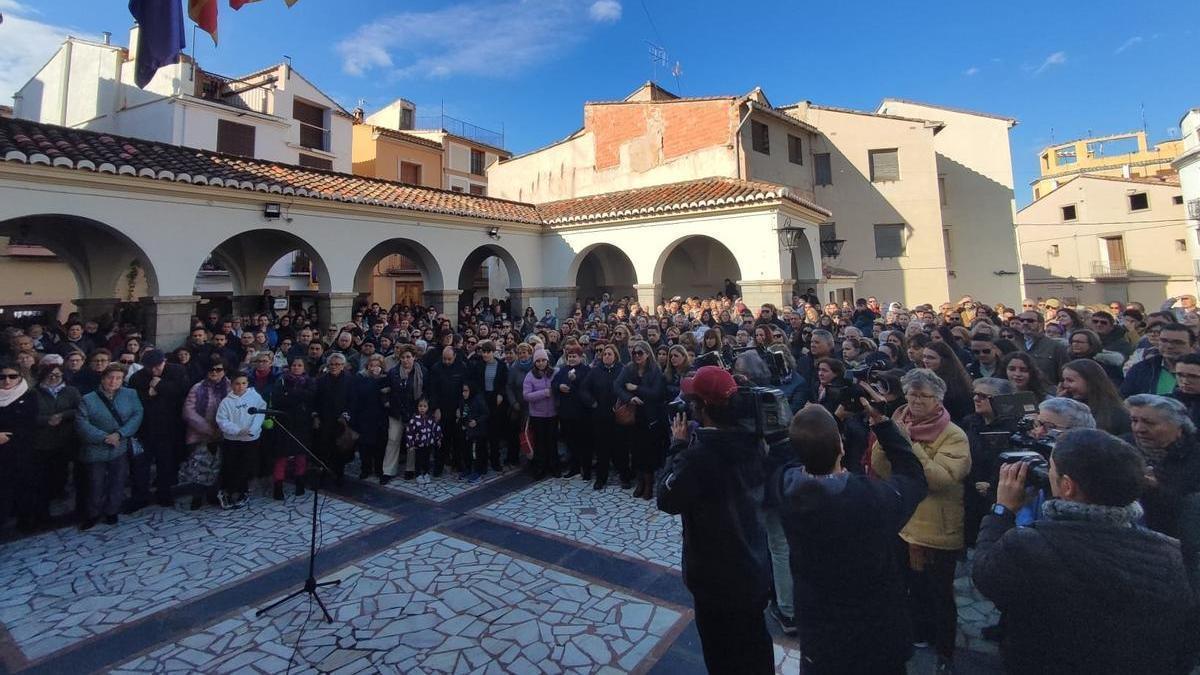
(716, 485)
(570, 406)
(403, 393)
(475, 372)
(1087, 596)
(598, 392)
(368, 416)
(652, 390)
(1142, 378)
(842, 531)
(444, 384)
(162, 422)
(1192, 401)
(295, 399)
(1173, 504)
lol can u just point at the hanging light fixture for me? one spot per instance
(790, 235)
(831, 248)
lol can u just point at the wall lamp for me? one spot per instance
(272, 211)
(494, 233)
(791, 236)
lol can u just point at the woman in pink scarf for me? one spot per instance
(934, 534)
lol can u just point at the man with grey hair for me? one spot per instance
(1058, 414)
(1166, 436)
(820, 345)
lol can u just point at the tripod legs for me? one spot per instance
(310, 587)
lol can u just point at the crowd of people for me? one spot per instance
(415, 393)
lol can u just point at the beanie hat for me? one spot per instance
(540, 353)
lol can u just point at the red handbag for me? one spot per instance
(624, 414)
(526, 438)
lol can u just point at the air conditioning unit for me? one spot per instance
(1193, 207)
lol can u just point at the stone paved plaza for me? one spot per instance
(505, 575)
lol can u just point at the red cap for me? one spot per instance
(710, 384)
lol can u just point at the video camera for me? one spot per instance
(762, 411)
(860, 378)
(1020, 445)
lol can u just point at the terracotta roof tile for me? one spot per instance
(695, 195)
(33, 143)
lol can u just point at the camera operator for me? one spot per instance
(976, 498)
(841, 529)
(1166, 436)
(715, 483)
(1084, 590)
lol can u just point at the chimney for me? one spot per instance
(106, 37)
(134, 33)
(359, 113)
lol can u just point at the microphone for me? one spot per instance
(265, 411)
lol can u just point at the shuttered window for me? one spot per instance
(313, 133)
(235, 139)
(315, 162)
(760, 138)
(885, 165)
(823, 170)
(795, 150)
(889, 240)
(477, 162)
(410, 173)
(480, 190)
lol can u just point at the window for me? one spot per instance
(1181, 245)
(480, 190)
(456, 188)
(477, 162)
(942, 189)
(410, 173)
(760, 138)
(406, 118)
(824, 172)
(1068, 213)
(795, 150)
(828, 231)
(1112, 252)
(313, 133)
(1139, 201)
(235, 139)
(315, 162)
(1177, 199)
(889, 240)
(885, 165)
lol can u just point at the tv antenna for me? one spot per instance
(677, 71)
(658, 57)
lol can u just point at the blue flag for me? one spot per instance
(160, 38)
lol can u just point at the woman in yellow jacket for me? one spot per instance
(934, 534)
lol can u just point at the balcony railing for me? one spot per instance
(1110, 270)
(241, 94)
(461, 128)
(312, 136)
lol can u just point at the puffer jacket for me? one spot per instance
(598, 392)
(938, 520)
(538, 394)
(94, 421)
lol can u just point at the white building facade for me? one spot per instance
(1188, 166)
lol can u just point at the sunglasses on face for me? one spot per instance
(11, 376)
(638, 352)
(218, 369)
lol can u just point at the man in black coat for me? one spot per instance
(715, 483)
(162, 388)
(1085, 589)
(842, 530)
(446, 379)
(489, 373)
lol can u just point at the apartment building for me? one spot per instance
(1188, 166)
(885, 175)
(1098, 238)
(1128, 155)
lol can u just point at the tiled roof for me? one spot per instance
(401, 136)
(34, 143)
(695, 195)
(1167, 181)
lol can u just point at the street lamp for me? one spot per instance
(791, 235)
(831, 248)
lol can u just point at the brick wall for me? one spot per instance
(695, 125)
(613, 126)
(677, 128)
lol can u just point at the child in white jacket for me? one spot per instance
(239, 450)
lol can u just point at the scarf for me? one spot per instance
(291, 380)
(924, 430)
(209, 388)
(7, 396)
(54, 390)
(1117, 516)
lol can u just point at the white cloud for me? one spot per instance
(490, 39)
(1055, 59)
(1133, 41)
(605, 11)
(25, 46)
(972, 71)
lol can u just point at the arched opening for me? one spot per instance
(806, 267)
(49, 260)
(488, 272)
(397, 271)
(604, 268)
(233, 278)
(696, 265)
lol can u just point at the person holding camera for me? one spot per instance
(841, 529)
(714, 480)
(1084, 589)
(934, 534)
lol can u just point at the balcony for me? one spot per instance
(460, 128)
(254, 96)
(1110, 270)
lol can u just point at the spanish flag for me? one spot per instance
(238, 4)
(204, 13)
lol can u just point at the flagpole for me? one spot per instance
(193, 52)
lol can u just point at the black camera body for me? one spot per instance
(1038, 474)
(763, 411)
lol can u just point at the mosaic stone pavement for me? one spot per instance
(436, 604)
(609, 519)
(440, 489)
(65, 586)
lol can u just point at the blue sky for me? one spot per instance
(1063, 69)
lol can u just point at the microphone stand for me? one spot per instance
(310, 584)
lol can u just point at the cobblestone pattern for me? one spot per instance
(434, 604)
(609, 519)
(440, 489)
(65, 586)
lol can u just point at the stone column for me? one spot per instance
(567, 295)
(760, 292)
(168, 319)
(335, 309)
(649, 296)
(446, 301)
(96, 309)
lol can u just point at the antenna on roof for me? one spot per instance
(1142, 107)
(658, 57)
(677, 71)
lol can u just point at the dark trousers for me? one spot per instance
(448, 451)
(545, 444)
(516, 423)
(734, 639)
(239, 461)
(475, 454)
(106, 486)
(58, 470)
(931, 599)
(648, 442)
(370, 453)
(577, 434)
(32, 504)
(162, 455)
(497, 427)
(612, 448)
(423, 458)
